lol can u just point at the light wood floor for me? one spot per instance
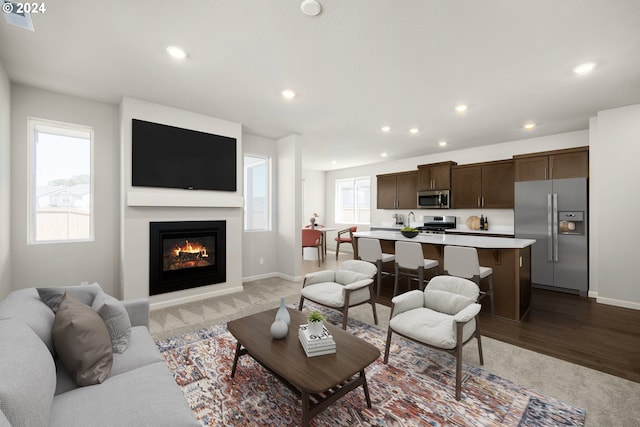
(569, 327)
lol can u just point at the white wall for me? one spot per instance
(5, 182)
(258, 245)
(313, 196)
(289, 206)
(175, 205)
(615, 179)
(498, 217)
(66, 263)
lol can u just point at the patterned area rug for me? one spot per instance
(416, 388)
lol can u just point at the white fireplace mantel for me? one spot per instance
(196, 199)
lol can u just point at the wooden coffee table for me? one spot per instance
(318, 380)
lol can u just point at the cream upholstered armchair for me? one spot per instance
(350, 285)
(444, 316)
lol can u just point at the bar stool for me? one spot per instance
(461, 261)
(371, 251)
(410, 262)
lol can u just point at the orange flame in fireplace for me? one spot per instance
(191, 248)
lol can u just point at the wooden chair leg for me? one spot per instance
(479, 340)
(319, 255)
(337, 249)
(300, 304)
(386, 347)
(396, 280)
(379, 274)
(372, 301)
(493, 304)
(458, 354)
(345, 309)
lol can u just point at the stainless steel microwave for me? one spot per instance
(434, 199)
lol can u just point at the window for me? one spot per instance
(353, 201)
(257, 189)
(61, 182)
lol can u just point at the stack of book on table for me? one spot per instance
(316, 345)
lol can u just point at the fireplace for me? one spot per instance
(186, 254)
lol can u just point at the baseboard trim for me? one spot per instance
(259, 277)
(290, 278)
(618, 303)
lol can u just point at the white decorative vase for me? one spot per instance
(279, 329)
(315, 328)
(282, 313)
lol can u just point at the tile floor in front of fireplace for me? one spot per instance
(258, 295)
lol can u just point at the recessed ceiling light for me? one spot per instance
(311, 7)
(414, 130)
(585, 68)
(333, 162)
(385, 128)
(461, 108)
(289, 94)
(442, 143)
(177, 52)
(383, 154)
(529, 126)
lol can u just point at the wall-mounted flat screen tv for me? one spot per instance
(171, 157)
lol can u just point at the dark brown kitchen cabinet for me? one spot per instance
(435, 176)
(483, 185)
(397, 190)
(559, 164)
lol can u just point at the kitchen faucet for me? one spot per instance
(409, 218)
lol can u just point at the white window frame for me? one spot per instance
(336, 200)
(269, 192)
(63, 129)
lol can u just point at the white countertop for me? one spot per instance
(483, 242)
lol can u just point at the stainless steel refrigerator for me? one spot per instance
(554, 213)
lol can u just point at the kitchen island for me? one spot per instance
(509, 258)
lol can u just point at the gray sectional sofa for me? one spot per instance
(36, 390)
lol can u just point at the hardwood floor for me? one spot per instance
(569, 327)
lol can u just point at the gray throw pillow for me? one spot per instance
(115, 316)
(53, 296)
(82, 341)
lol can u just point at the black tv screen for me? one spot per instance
(171, 157)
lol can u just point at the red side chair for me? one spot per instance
(313, 239)
(344, 239)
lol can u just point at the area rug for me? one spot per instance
(416, 388)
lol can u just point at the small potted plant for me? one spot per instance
(315, 319)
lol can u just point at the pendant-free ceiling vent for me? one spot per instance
(15, 14)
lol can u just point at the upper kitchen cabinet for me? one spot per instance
(483, 185)
(397, 190)
(559, 164)
(435, 176)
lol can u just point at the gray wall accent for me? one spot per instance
(5, 182)
(614, 233)
(289, 202)
(261, 244)
(66, 263)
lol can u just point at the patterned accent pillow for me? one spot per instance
(82, 342)
(115, 316)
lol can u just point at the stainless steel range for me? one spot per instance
(437, 224)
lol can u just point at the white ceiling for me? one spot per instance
(357, 66)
